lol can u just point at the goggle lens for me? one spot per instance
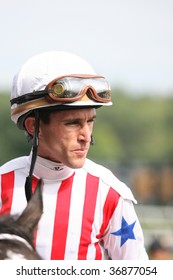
(69, 88)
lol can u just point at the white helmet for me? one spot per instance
(29, 85)
(58, 79)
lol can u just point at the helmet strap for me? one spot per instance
(92, 140)
(28, 182)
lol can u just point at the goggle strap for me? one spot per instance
(29, 96)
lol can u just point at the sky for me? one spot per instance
(128, 41)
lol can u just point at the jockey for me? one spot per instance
(88, 212)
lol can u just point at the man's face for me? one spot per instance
(67, 137)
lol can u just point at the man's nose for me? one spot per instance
(85, 133)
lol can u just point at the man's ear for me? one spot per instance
(30, 125)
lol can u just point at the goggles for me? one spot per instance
(67, 89)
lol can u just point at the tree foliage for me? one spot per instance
(12, 140)
(140, 129)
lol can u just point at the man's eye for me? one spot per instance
(72, 123)
(91, 121)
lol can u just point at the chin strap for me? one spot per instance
(92, 140)
(28, 182)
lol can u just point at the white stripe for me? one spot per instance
(76, 214)
(18, 200)
(14, 237)
(46, 224)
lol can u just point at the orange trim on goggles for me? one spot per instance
(71, 88)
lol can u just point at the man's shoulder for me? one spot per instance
(108, 178)
(14, 164)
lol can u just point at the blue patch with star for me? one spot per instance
(126, 231)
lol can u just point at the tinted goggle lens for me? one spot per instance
(73, 87)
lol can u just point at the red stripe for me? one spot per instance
(61, 220)
(7, 182)
(98, 255)
(108, 209)
(34, 184)
(88, 215)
